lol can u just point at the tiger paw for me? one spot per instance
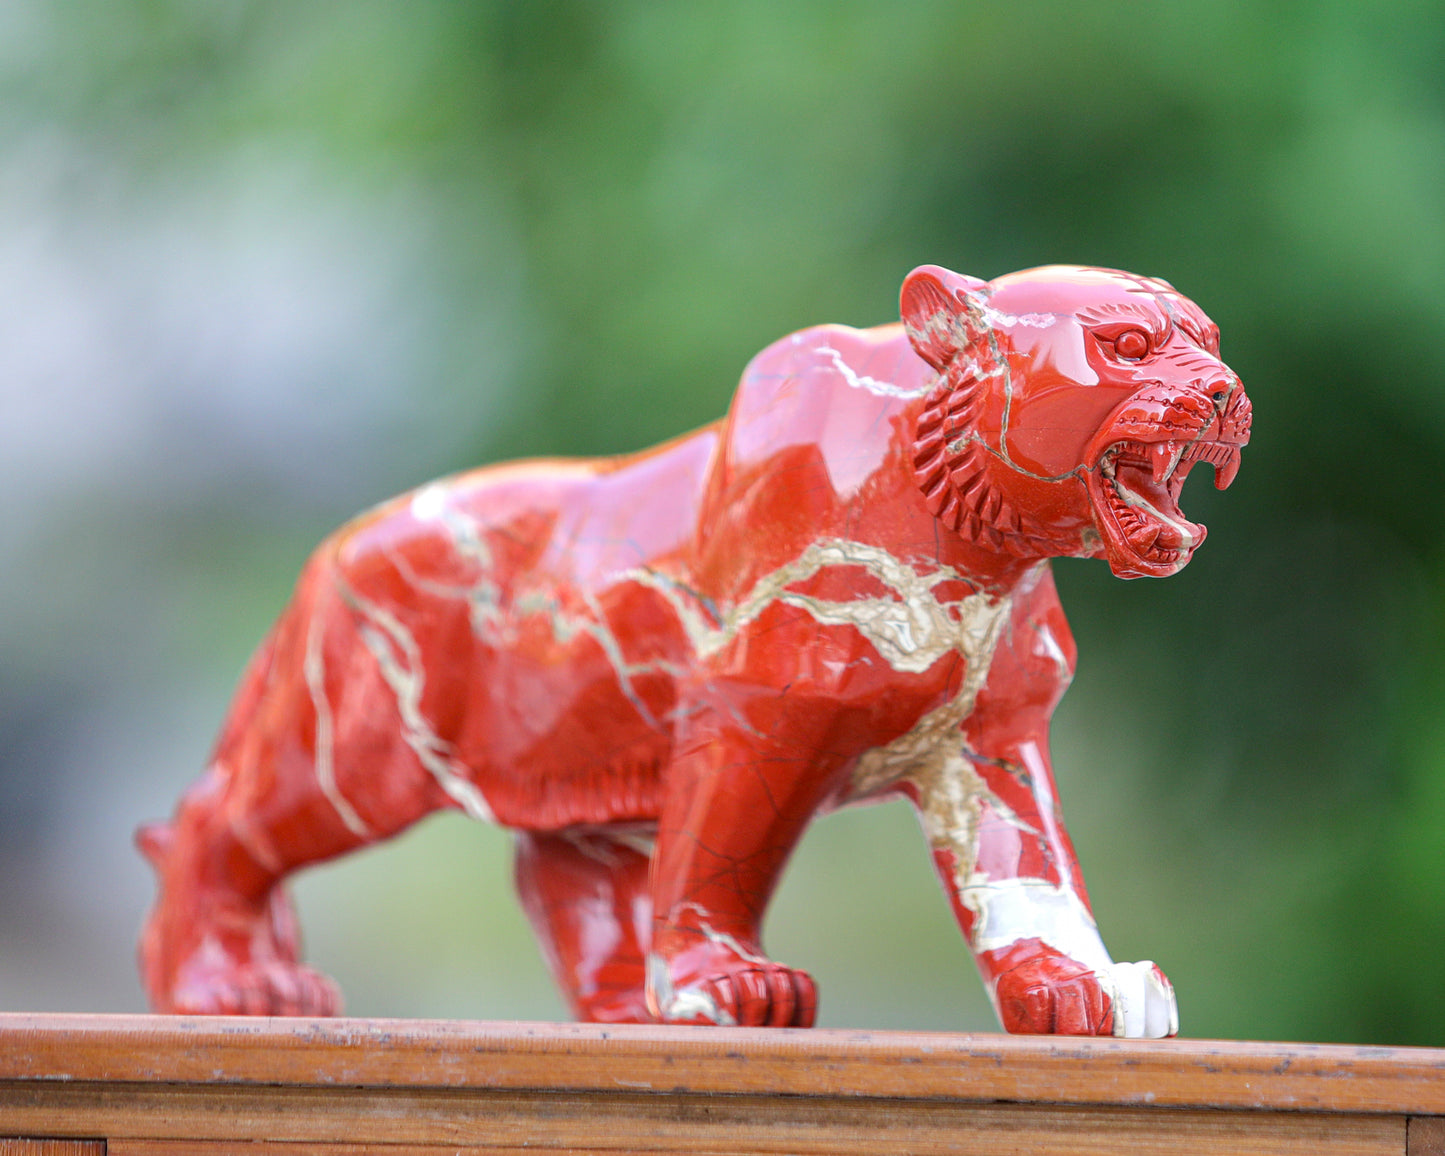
(271, 988)
(1055, 995)
(728, 989)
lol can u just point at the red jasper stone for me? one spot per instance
(658, 668)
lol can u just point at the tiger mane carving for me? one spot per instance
(952, 465)
(657, 669)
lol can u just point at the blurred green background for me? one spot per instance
(267, 263)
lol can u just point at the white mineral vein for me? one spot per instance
(871, 384)
(315, 671)
(399, 660)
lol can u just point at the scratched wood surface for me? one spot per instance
(34, 1147)
(162, 1086)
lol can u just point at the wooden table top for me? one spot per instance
(176, 1086)
(1181, 1073)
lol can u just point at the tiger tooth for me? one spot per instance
(1224, 474)
(1163, 456)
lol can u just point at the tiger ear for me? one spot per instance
(934, 304)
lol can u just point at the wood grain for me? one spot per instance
(30, 1147)
(584, 1057)
(692, 1124)
(1426, 1136)
(158, 1086)
(284, 1148)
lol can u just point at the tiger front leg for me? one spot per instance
(987, 802)
(1018, 895)
(739, 798)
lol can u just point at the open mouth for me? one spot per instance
(1136, 489)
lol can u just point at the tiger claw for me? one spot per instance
(1144, 1003)
(746, 994)
(273, 988)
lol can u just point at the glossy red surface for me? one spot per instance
(657, 669)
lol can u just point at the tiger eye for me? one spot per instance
(1131, 345)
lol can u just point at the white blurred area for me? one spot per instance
(205, 362)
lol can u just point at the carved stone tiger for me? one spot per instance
(657, 669)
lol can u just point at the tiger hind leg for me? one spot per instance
(586, 893)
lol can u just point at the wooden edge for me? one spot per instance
(1426, 1136)
(380, 1053)
(14, 1146)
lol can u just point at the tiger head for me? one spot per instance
(1070, 405)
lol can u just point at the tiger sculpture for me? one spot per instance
(656, 669)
